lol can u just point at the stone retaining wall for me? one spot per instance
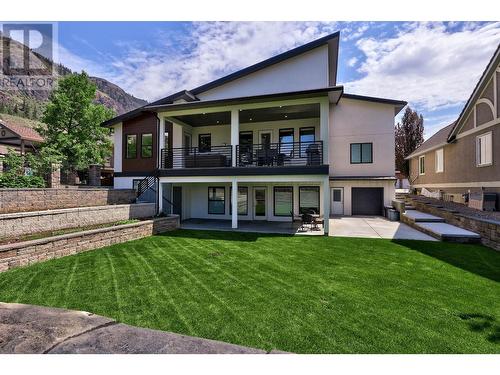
(23, 200)
(29, 252)
(487, 229)
(23, 223)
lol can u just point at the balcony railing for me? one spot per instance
(194, 157)
(280, 154)
(259, 155)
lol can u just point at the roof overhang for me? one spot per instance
(398, 104)
(333, 93)
(371, 178)
(480, 86)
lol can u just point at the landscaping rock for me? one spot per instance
(36, 329)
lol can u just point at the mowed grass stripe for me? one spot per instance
(299, 294)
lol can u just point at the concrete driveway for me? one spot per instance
(374, 227)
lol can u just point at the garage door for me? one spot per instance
(367, 201)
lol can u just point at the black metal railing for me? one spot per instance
(280, 154)
(194, 157)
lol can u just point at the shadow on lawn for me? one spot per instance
(482, 323)
(222, 235)
(477, 259)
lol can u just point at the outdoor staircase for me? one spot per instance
(436, 226)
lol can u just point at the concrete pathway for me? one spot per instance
(32, 329)
(374, 227)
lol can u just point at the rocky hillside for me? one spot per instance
(29, 103)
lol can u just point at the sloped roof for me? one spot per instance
(190, 95)
(439, 138)
(20, 127)
(481, 84)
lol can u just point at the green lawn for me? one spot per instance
(306, 294)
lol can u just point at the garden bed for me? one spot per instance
(23, 253)
(37, 236)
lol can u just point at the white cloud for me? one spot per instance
(426, 64)
(215, 49)
(349, 34)
(352, 61)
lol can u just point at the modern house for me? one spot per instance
(464, 156)
(274, 139)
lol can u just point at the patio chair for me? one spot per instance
(306, 219)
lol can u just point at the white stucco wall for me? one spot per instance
(306, 71)
(117, 142)
(356, 121)
(125, 182)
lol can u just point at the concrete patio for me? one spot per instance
(281, 227)
(374, 227)
(341, 226)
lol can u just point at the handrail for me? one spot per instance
(280, 154)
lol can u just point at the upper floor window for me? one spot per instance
(147, 145)
(131, 146)
(361, 153)
(204, 142)
(306, 138)
(421, 165)
(286, 141)
(439, 160)
(484, 150)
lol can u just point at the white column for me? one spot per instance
(235, 132)
(234, 204)
(326, 203)
(324, 126)
(160, 197)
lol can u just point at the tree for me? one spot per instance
(409, 136)
(73, 129)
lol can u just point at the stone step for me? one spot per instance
(448, 232)
(417, 216)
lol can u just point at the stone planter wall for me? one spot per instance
(487, 229)
(23, 223)
(24, 200)
(29, 252)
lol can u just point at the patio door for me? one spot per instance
(338, 201)
(259, 203)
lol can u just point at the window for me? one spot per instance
(147, 145)
(361, 153)
(246, 141)
(286, 141)
(283, 200)
(216, 203)
(204, 142)
(421, 165)
(484, 150)
(131, 146)
(306, 138)
(242, 201)
(308, 199)
(439, 160)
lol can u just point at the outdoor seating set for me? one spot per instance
(310, 220)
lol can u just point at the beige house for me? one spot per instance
(465, 155)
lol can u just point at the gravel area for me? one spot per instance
(464, 210)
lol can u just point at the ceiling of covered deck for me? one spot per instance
(278, 113)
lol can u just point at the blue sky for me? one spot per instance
(434, 66)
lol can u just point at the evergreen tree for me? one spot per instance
(409, 136)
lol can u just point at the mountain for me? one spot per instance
(29, 103)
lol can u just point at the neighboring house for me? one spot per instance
(465, 155)
(276, 137)
(15, 133)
